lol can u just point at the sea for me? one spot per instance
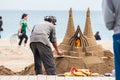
(11, 21)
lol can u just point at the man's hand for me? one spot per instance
(60, 53)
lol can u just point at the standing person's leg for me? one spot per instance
(47, 58)
(20, 42)
(37, 59)
(26, 39)
(116, 44)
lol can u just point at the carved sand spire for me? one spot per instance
(83, 40)
(70, 27)
(88, 28)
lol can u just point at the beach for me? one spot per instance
(13, 57)
(16, 59)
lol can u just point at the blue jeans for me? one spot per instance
(116, 46)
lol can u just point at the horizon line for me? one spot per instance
(46, 10)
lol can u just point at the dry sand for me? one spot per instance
(13, 57)
(16, 59)
(106, 44)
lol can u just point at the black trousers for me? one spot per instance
(22, 37)
(43, 54)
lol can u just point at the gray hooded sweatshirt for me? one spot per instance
(111, 12)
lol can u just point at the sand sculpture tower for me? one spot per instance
(70, 28)
(85, 40)
(88, 30)
(82, 51)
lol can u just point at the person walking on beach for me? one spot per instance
(97, 36)
(41, 34)
(1, 23)
(22, 30)
(111, 11)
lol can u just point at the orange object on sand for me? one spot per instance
(80, 72)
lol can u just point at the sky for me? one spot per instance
(50, 4)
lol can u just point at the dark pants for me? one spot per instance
(43, 54)
(22, 37)
(0, 34)
(116, 44)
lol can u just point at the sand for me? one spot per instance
(106, 44)
(14, 59)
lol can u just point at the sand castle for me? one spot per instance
(82, 51)
(80, 48)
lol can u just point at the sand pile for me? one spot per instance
(5, 71)
(97, 65)
(102, 68)
(29, 70)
